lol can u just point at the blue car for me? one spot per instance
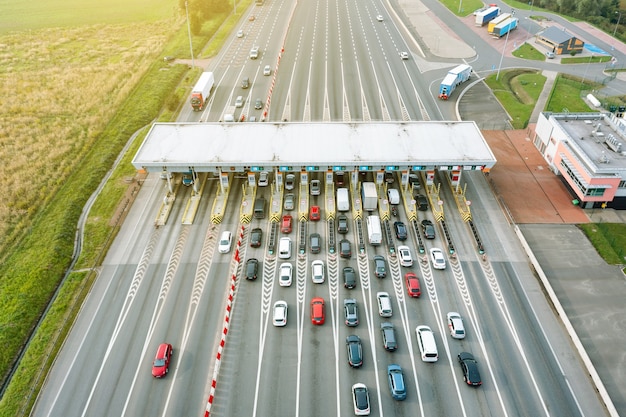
(396, 382)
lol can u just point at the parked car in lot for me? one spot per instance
(161, 363)
(412, 285)
(355, 351)
(314, 215)
(437, 258)
(342, 224)
(401, 232)
(252, 268)
(317, 271)
(380, 267)
(226, 240)
(349, 277)
(317, 311)
(351, 312)
(389, 336)
(455, 324)
(360, 399)
(290, 202)
(285, 275)
(256, 235)
(315, 243)
(279, 317)
(286, 224)
(404, 254)
(395, 377)
(469, 366)
(345, 249)
(428, 228)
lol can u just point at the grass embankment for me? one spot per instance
(566, 94)
(127, 86)
(462, 7)
(609, 239)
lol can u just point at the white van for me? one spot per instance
(394, 196)
(284, 248)
(343, 199)
(384, 304)
(374, 231)
(426, 343)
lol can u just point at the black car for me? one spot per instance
(470, 369)
(252, 267)
(422, 202)
(429, 229)
(401, 232)
(389, 177)
(255, 237)
(316, 243)
(345, 249)
(349, 277)
(342, 224)
(389, 336)
(380, 267)
(355, 351)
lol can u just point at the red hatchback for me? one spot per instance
(412, 285)
(317, 311)
(315, 213)
(161, 363)
(286, 224)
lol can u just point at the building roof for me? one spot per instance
(321, 146)
(556, 35)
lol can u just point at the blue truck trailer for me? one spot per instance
(487, 16)
(454, 77)
(505, 27)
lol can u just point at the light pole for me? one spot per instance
(506, 40)
(193, 64)
(460, 4)
(617, 24)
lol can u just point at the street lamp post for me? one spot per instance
(617, 24)
(193, 64)
(506, 40)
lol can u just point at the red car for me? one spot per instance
(286, 224)
(315, 213)
(161, 363)
(412, 285)
(317, 311)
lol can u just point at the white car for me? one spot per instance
(316, 187)
(239, 101)
(455, 324)
(360, 400)
(405, 256)
(267, 70)
(225, 242)
(286, 270)
(379, 17)
(290, 181)
(264, 179)
(240, 34)
(404, 55)
(317, 274)
(437, 258)
(280, 313)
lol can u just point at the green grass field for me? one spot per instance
(20, 15)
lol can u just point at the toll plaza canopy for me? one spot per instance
(322, 146)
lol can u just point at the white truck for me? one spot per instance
(369, 196)
(343, 199)
(374, 232)
(201, 91)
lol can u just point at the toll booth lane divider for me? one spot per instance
(247, 203)
(192, 204)
(219, 205)
(236, 264)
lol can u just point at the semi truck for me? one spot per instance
(369, 196)
(487, 16)
(201, 90)
(501, 18)
(505, 27)
(455, 76)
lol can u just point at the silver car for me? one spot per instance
(290, 201)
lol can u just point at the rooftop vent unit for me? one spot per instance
(613, 144)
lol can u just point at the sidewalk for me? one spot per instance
(544, 96)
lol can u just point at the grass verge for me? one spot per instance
(566, 94)
(462, 7)
(609, 239)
